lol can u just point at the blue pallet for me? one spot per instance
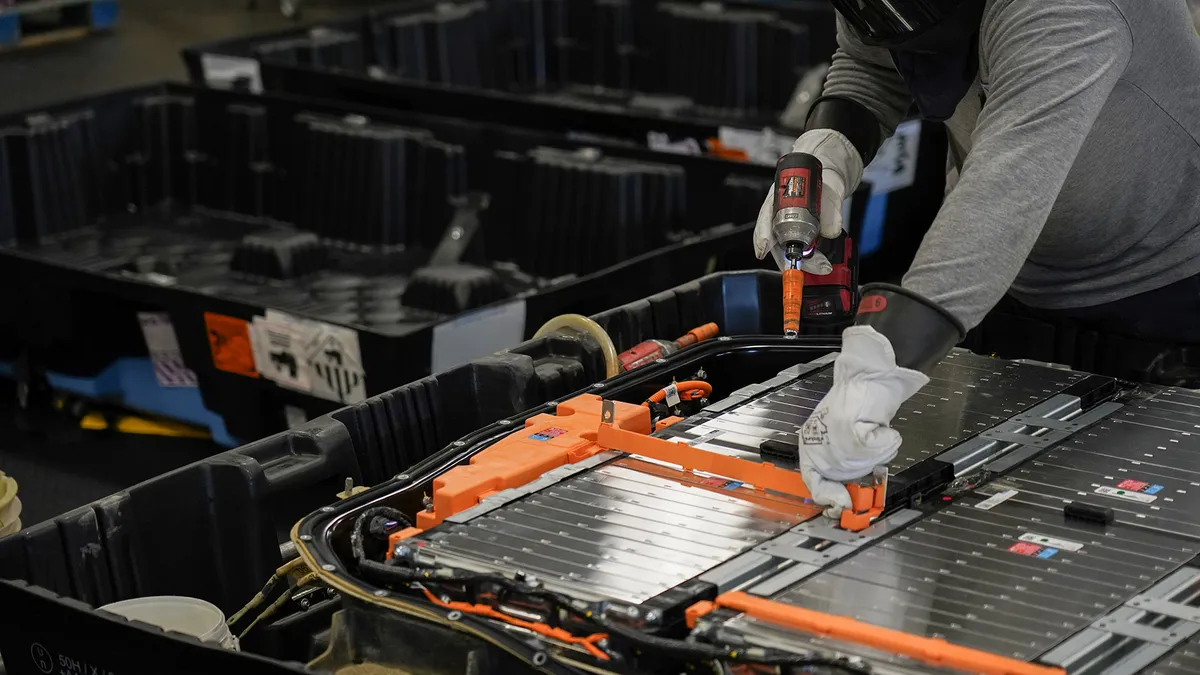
(130, 383)
(99, 15)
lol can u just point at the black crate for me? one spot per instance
(213, 529)
(145, 200)
(618, 67)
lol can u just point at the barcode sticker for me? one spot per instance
(672, 395)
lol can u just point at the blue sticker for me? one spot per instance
(1153, 489)
(1047, 553)
(733, 485)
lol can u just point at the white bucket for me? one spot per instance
(191, 616)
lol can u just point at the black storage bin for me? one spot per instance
(216, 207)
(213, 529)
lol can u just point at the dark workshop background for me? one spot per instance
(62, 469)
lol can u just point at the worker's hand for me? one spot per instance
(843, 168)
(848, 434)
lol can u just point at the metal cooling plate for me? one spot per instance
(628, 530)
(1013, 580)
(1142, 461)
(967, 394)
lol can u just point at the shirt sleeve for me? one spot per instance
(867, 75)
(1052, 68)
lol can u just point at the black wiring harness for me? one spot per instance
(405, 571)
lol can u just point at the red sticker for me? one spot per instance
(793, 189)
(1025, 548)
(1133, 485)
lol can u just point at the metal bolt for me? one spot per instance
(653, 616)
(504, 423)
(402, 476)
(306, 537)
(539, 659)
(454, 616)
(456, 233)
(598, 385)
(724, 338)
(445, 599)
(381, 593)
(329, 568)
(326, 509)
(459, 444)
(552, 404)
(660, 360)
(305, 603)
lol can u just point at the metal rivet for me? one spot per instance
(539, 659)
(454, 616)
(326, 509)
(552, 404)
(660, 360)
(306, 537)
(504, 423)
(598, 385)
(329, 568)
(724, 338)
(402, 476)
(459, 444)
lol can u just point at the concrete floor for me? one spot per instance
(143, 48)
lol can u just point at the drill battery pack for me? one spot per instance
(831, 300)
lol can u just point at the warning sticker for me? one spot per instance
(335, 363)
(279, 352)
(548, 433)
(1139, 486)
(229, 338)
(722, 483)
(163, 347)
(1032, 550)
(1128, 495)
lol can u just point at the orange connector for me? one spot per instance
(932, 651)
(868, 500)
(547, 442)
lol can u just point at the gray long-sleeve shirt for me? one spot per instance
(1078, 154)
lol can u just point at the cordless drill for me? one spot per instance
(796, 226)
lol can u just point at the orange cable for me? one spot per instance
(588, 643)
(688, 391)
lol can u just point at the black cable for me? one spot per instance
(357, 533)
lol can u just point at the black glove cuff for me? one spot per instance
(849, 118)
(921, 333)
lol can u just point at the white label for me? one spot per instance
(335, 363)
(656, 140)
(761, 147)
(1052, 542)
(895, 165)
(279, 351)
(1125, 494)
(672, 395)
(477, 334)
(996, 500)
(231, 72)
(161, 343)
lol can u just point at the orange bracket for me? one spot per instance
(932, 651)
(868, 500)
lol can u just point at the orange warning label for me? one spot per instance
(229, 338)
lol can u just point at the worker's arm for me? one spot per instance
(1052, 68)
(864, 97)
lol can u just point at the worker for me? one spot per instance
(1074, 126)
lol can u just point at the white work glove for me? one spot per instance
(848, 434)
(843, 168)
